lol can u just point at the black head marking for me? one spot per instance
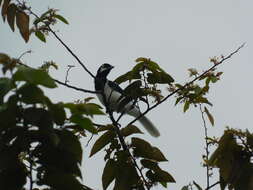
(102, 73)
(104, 70)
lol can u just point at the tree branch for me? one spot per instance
(60, 40)
(76, 88)
(64, 83)
(122, 140)
(211, 186)
(70, 51)
(206, 148)
(189, 83)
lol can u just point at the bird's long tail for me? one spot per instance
(148, 125)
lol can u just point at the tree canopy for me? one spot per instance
(40, 140)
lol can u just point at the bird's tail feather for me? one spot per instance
(148, 125)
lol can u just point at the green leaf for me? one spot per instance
(159, 77)
(208, 79)
(38, 117)
(126, 176)
(84, 122)
(214, 79)
(210, 117)
(164, 176)
(223, 183)
(160, 176)
(129, 130)
(70, 143)
(58, 113)
(149, 164)
(143, 149)
(34, 76)
(40, 35)
(197, 185)
(9, 112)
(4, 8)
(249, 138)
(102, 141)
(132, 87)
(186, 106)
(186, 187)
(85, 108)
(11, 168)
(92, 109)
(164, 184)
(141, 59)
(178, 100)
(64, 181)
(109, 173)
(4, 58)
(61, 18)
(31, 94)
(11, 13)
(128, 77)
(105, 128)
(22, 20)
(201, 99)
(6, 85)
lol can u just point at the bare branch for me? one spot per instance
(211, 186)
(206, 148)
(67, 73)
(26, 52)
(70, 51)
(76, 88)
(88, 142)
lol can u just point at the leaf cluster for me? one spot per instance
(39, 138)
(144, 79)
(233, 158)
(41, 24)
(120, 165)
(19, 13)
(195, 93)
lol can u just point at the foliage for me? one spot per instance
(36, 138)
(19, 12)
(40, 140)
(233, 158)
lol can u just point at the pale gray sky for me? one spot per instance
(178, 35)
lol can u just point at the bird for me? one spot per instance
(112, 94)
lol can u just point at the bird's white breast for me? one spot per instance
(113, 100)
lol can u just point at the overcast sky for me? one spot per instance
(178, 34)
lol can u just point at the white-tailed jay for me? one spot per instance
(113, 95)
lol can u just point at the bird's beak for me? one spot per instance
(112, 67)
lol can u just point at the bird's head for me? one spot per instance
(104, 70)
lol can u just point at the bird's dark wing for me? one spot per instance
(116, 87)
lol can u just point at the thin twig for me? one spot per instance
(67, 73)
(30, 170)
(206, 148)
(211, 186)
(187, 84)
(26, 52)
(89, 140)
(71, 52)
